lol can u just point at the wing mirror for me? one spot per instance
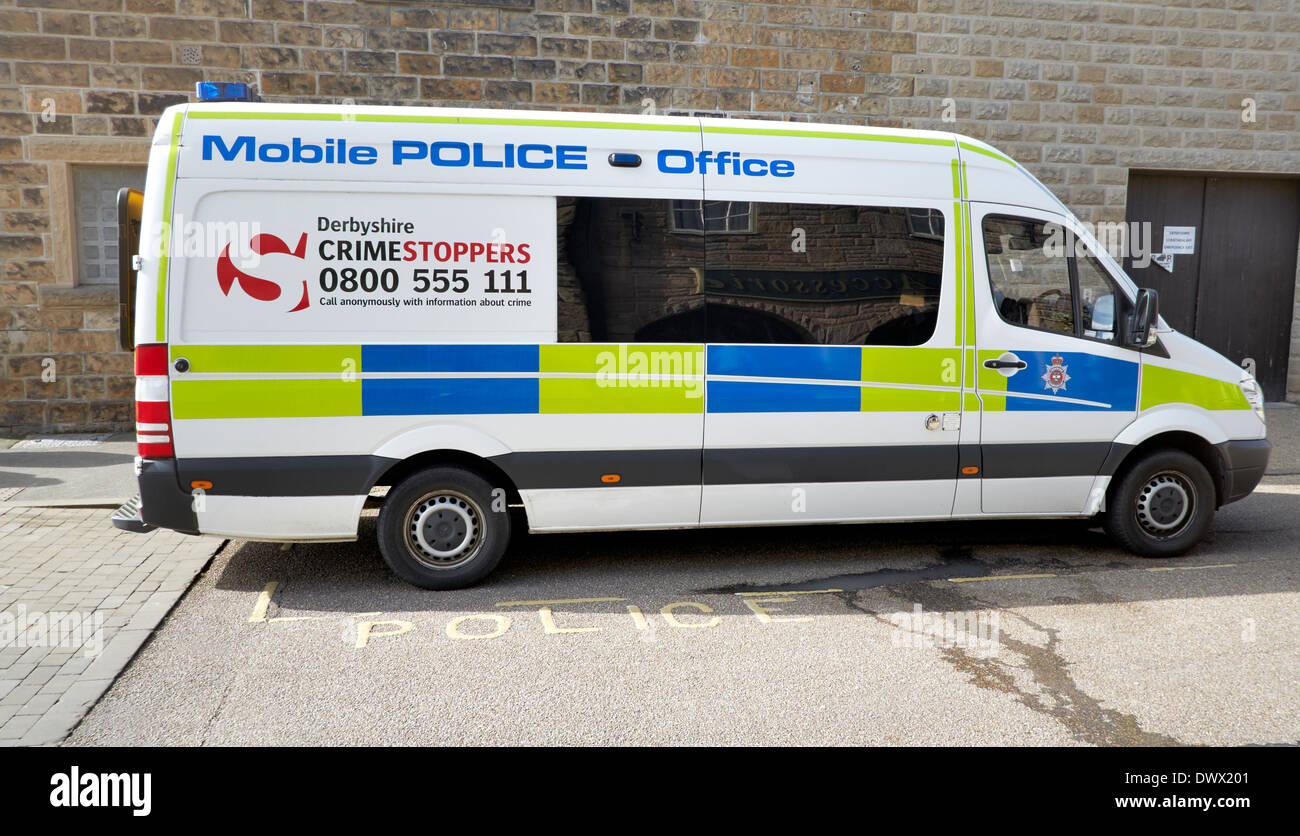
(1146, 313)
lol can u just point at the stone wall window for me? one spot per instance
(94, 191)
(722, 216)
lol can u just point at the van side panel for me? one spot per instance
(330, 329)
(836, 426)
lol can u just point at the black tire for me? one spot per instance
(1162, 505)
(437, 529)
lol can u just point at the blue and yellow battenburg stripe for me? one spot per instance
(309, 381)
(779, 378)
(581, 378)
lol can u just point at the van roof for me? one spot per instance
(987, 173)
(548, 118)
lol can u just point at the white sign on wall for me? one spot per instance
(1179, 240)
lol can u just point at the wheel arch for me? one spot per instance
(480, 465)
(1189, 442)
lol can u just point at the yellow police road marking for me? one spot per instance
(502, 625)
(263, 603)
(556, 602)
(366, 630)
(1002, 578)
(669, 614)
(638, 617)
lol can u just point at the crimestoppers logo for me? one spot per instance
(263, 290)
(1056, 375)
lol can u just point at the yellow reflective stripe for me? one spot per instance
(970, 261)
(958, 239)
(914, 140)
(959, 308)
(591, 396)
(160, 312)
(207, 359)
(265, 398)
(1161, 386)
(621, 359)
(986, 152)
(629, 378)
(916, 366)
(563, 123)
(883, 399)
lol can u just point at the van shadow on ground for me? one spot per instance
(351, 577)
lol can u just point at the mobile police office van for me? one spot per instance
(635, 322)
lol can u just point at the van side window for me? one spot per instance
(624, 276)
(1031, 286)
(1101, 305)
(823, 274)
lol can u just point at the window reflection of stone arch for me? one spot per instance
(725, 324)
(573, 321)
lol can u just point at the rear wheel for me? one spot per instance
(443, 528)
(1162, 505)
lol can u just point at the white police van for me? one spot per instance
(634, 322)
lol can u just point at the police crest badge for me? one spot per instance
(1057, 374)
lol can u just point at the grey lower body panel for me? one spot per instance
(162, 502)
(571, 469)
(1244, 463)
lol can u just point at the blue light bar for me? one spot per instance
(225, 91)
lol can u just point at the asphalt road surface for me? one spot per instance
(956, 634)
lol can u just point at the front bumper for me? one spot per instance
(1244, 463)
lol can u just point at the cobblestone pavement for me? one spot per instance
(78, 598)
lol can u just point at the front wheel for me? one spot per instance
(1162, 505)
(443, 528)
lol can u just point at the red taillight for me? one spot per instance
(151, 359)
(153, 415)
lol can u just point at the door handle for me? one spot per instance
(1005, 364)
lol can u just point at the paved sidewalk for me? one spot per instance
(85, 596)
(78, 597)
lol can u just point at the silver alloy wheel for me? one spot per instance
(1165, 504)
(444, 529)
